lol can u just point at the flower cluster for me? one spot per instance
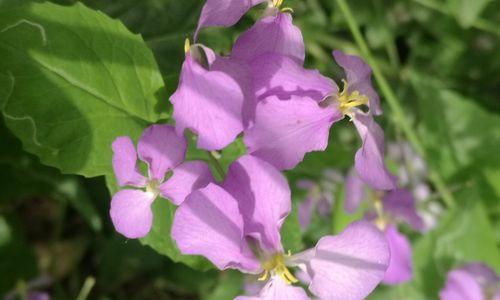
(262, 92)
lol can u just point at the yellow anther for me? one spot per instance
(277, 3)
(347, 101)
(287, 10)
(276, 266)
(381, 220)
(187, 45)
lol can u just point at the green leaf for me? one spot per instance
(467, 11)
(72, 80)
(229, 286)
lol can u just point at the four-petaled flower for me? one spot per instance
(163, 151)
(387, 210)
(237, 225)
(474, 281)
(297, 107)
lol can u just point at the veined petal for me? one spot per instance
(131, 213)
(354, 192)
(162, 149)
(209, 223)
(125, 163)
(285, 130)
(274, 34)
(186, 178)
(210, 103)
(369, 160)
(263, 197)
(223, 13)
(282, 76)
(277, 289)
(358, 75)
(350, 265)
(400, 266)
(400, 204)
(461, 285)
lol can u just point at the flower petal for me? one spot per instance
(369, 160)
(162, 149)
(461, 285)
(210, 103)
(209, 223)
(274, 34)
(285, 130)
(358, 75)
(400, 266)
(350, 265)
(400, 204)
(354, 192)
(131, 213)
(279, 75)
(125, 163)
(277, 289)
(186, 178)
(263, 197)
(223, 13)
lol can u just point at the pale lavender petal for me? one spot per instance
(223, 13)
(277, 289)
(186, 178)
(358, 75)
(354, 192)
(400, 204)
(305, 184)
(125, 163)
(275, 34)
(305, 210)
(131, 213)
(209, 223)
(400, 267)
(280, 75)
(485, 275)
(369, 160)
(461, 285)
(324, 205)
(350, 265)
(242, 74)
(209, 102)
(285, 130)
(263, 196)
(162, 149)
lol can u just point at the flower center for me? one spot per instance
(347, 101)
(381, 221)
(276, 267)
(153, 187)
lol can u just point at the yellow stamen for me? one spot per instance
(287, 10)
(347, 101)
(381, 220)
(187, 45)
(277, 3)
(276, 266)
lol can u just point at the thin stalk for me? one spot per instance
(87, 287)
(217, 164)
(398, 113)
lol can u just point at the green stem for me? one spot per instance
(217, 164)
(398, 113)
(87, 287)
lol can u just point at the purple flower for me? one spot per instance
(211, 98)
(297, 107)
(163, 151)
(319, 196)
(237, 225)
(388, 210)
(223, 13)
(274, 33)
(474, 281)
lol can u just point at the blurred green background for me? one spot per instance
(441, 58)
